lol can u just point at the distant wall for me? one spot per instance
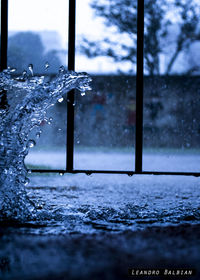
(106, 115)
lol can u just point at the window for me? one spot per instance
(142, 116)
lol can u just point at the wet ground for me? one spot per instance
(99, 226)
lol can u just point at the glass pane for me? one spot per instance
(50, 150)
(105, 117)
(38, 33)
(171, 86)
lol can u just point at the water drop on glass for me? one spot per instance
(82, 93)
(61, 173)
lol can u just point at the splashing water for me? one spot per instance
(28, 100)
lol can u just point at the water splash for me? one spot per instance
(28, 99)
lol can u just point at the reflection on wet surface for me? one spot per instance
(89, 204)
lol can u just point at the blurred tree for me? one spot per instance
(159, 16)
(25, 48)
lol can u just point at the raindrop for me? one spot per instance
(74, 104)
(29, 171)
(30, 67)
(26, 181)
(13, 70)
(82, 93)
(47, 65)
(78, 142)
(31, 143)
(61, 69)
(24, 74)
(88, 173)
(60, 99)
(61, 173)
(38, 134)
(50, 120)
(130, 174)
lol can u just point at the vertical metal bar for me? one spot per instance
(4, 34)
(70, 95)
(4, 46)
(139, 87)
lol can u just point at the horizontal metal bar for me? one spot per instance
(130, 173)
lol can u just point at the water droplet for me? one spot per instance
(39, 206)
(130, 174)
(88, 173)
(61, 173)
(82, 93)
(31, 143)
(29, 171)
(38, 134)
(50, 120)
(74, 104)
(24, 74)
(60, 99)
(47, 65)
(78, 142)
(61, 69)
(59, 129)
(26, 181)
(13, 70)
(30, 68)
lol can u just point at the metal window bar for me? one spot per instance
(4, 42)
(70, 97)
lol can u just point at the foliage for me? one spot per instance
(25, 48)
(160, 17)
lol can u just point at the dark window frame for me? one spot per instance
(70, 95)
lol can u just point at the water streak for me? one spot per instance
(24, 101)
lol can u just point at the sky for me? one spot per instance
(51, 15)
(40, 15)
